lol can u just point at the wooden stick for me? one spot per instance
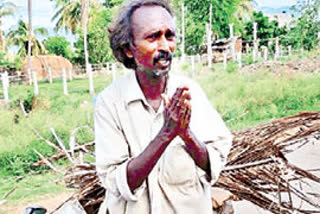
(48, 162)
(9, 192)
(45, 140)
(61, 144)
(60, 155)
(23, 109)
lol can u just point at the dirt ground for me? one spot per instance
(309, 65)
(50, 202)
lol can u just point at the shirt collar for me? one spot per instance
(134, 91)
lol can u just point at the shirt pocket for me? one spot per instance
(178, 167)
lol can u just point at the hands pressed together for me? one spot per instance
(177, 112)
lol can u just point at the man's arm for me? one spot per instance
(197, 150)
(176, 121)
(207, 139)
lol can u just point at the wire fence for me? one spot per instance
(242, 57)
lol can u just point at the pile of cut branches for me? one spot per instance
(257, 169)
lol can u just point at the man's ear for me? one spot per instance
(128, 52)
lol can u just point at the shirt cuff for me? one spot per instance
(122, 183)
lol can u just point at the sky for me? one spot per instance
(275, 3)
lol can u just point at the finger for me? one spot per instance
(165, 100)
(184, 97)
(179, 92)
(188, 115)
(175, 98)
(183, 112)
(187, 95)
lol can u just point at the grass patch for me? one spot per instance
(29, 188)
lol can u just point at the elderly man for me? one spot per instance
(159, 143)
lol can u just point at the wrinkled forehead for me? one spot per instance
(151, 18)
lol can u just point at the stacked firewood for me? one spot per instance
(257, 169)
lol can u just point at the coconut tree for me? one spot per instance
(19, 37)
(68, 14)
(245, 8)
(6, 9)
(71, 15)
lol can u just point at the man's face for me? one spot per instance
(153, 30)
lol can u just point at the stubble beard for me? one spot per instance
(158, 74)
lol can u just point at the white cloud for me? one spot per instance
(275, 3)
(42, 12)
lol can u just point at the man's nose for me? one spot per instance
(163, 44)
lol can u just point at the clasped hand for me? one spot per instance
(177, 112)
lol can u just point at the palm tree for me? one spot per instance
(19, 37)
(6, 9)
(68, 14)
(245, 8)
(72, 15)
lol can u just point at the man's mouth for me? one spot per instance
(163, 63)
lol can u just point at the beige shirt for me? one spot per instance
(125, 124)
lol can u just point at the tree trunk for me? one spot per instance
(1, 36)
(84, 22)
(29, 34)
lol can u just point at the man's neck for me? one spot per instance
(151, 87)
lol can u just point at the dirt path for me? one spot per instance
(50, 202)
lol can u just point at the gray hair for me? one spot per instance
(120, 32)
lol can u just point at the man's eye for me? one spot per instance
(170, 35)
(153, 36)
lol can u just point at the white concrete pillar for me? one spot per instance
(70, 74)
(114, 70)
(192, 65)
(209, 46)
(289, 50)
(90, 74)
(255, 43)
(5, 87)
(29, 73)
(277, 51)
(239, 58)
(225, 59)
(232, 43)
(50, 75)
(265, 53)
(35, 83)
(64, 81)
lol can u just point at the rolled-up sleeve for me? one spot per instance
(209, 128)
(112, 151)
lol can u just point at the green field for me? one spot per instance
(243, 99)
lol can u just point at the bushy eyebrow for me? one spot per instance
(150, 33)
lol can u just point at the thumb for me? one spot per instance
(165, 99)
